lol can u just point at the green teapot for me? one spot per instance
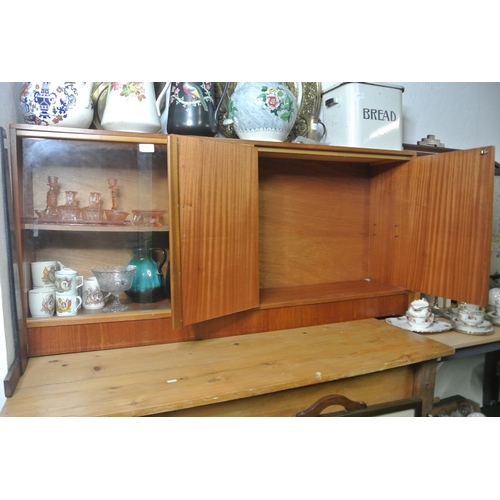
(148, 285)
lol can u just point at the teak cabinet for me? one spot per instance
(261, 236)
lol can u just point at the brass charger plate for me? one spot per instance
(308, 95)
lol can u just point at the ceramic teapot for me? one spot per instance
(132, 107)
(191, 109)
(59, 104)
(148, 285)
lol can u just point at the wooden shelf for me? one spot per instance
(326, 292)
(85, 316)
(107, 228)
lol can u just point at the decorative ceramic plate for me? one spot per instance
(493, 317)
(308, 96)
(484, 328)
(437, 325)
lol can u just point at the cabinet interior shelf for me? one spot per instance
(326, 292)
(105, 228)
(269, 299)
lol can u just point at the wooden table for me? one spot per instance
(276, 373)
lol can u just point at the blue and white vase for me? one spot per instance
(262, 111)
(63, 104)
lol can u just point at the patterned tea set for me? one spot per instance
(471, 319)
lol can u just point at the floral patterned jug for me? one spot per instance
(63, 104)
(132, 107)
(263, 111)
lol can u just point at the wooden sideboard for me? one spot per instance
(277, 373)
(262, 236)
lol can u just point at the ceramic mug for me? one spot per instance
(42, 302)
(68, 305)
(92, 296)
(471, 314)
(43, 273)
(68, 281)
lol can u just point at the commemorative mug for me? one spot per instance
(42, 301)
(92, 295)
(68, 305)
(43, 273)
(68, 281)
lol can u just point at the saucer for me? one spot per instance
(484, 328)
(436, 326)
(494, 317)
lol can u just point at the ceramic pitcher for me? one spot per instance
(191, 109)
(132, 107)
(262, 111)
(58, 104)
(148, 285)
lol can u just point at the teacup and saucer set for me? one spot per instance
(471, 319)
(420, 319)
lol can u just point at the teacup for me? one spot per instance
(42, 302)
(420, 322)
(68, 305)
(471, 314)
(43, 273)
(68, 281)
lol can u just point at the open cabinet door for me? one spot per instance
(433, 223)
(213, 187)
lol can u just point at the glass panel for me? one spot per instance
(95, 204)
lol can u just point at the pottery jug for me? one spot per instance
(262, 111)
(63, 104)
(148, 285)
(191, 109)
(132, 107)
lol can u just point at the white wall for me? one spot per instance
(461, 115)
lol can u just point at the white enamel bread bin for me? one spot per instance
(365, 115)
